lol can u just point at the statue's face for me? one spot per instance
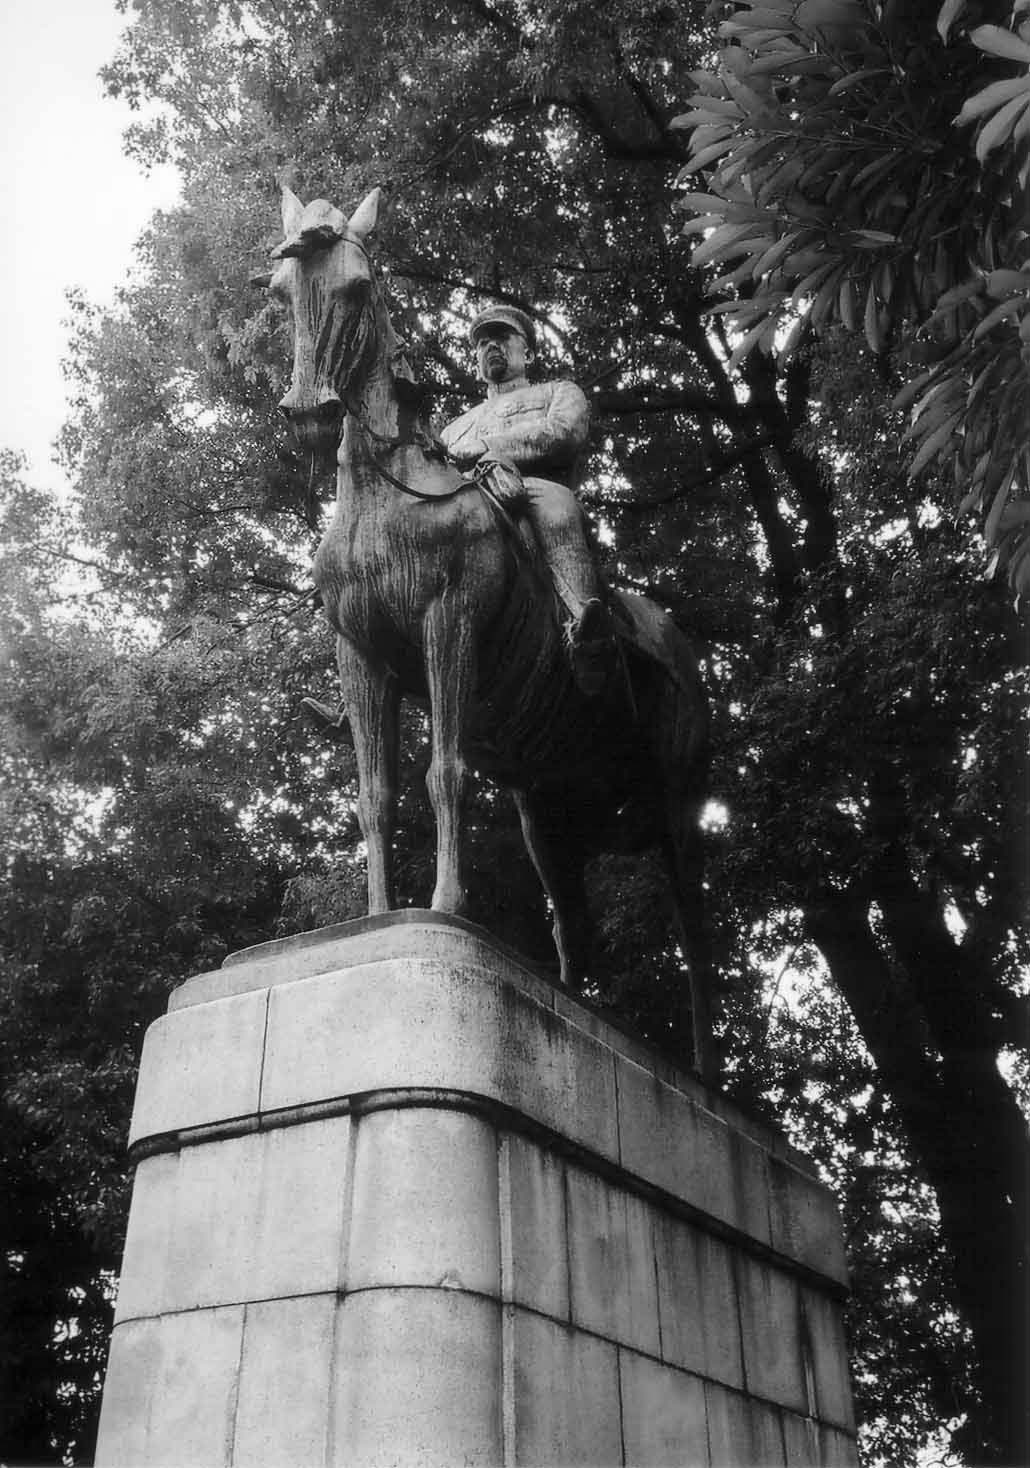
(501, 353)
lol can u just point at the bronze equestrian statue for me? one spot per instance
(440, 593)
(539, 429)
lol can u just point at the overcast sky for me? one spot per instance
(72, 203)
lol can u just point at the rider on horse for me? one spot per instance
(541, 430)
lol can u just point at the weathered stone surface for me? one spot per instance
(141, 1288)
(770, 1325)
(425, 1202)
(417, 1381)
(200, 1066)
(664, 1422)
(422, 1024)
(219, 1223)
(801, 1440)
(837, 1448)
(535, 1249)
(170, 1394)
(564, 1404)
(742, 1432)
(517, 1220)
(824, 1318)
(697, 1302)
(285, 1372)
(611, 1262)
(804, 1221)
(667, 1139)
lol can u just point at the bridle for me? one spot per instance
(419, 440)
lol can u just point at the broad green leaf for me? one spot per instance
(934, 444)
(847, 305)
(724, 243)
(1011, 307)
(959, 293)
(711, 202)
(706, 156)
(701, 223)
(826, 296)
(1001, 283)
(997, 131)
(811, 282)
(871, 322)
(724, 105)
(999, 42)
(761, 334)
(855, 78)
(998, 505)
(992, 97)
(947, 16)
(912, 389)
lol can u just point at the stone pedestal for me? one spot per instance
(399, 1201)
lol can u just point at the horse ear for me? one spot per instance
(292, 211)
(363, 221)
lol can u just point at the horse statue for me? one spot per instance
(437, 594)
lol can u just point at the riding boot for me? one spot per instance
(588, 631)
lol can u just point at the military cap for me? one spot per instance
(503, 316)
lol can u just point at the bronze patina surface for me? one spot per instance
(439, 594)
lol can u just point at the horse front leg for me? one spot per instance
(372, 702)
(450, 676)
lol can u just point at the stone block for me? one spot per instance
(742, 1432)
(611, 1262)
(804, 1221)
(417, 1381)
(211, 1243)
(133, 1375)
(670, 1141)
(801, 1440)
(432, 1025)
(664, 1422)
(749, 1181)
(837, 1449)
(404, 934)
(771, 1330)
(825, 1325)
(238, 1218)
(172, 1384)
(697, 1301)
(141, 1287)
(298, 1230)
(535, 1250)
(200, 1066)
(425, 1202)
(564, 1396)
(285, 1373)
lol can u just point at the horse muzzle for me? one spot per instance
(314, 425)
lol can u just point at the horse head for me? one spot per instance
(324, 275)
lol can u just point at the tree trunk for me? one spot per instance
(966, 1131)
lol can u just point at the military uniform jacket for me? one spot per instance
(541, 426)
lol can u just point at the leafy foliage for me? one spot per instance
(835, 140)
(167, 804)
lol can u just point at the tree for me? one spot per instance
(775, 525)
(866, 165)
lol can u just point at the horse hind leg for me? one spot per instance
(684, 858)
(557, 853)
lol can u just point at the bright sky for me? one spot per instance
(72, 203)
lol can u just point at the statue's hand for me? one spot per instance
(501, 477)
